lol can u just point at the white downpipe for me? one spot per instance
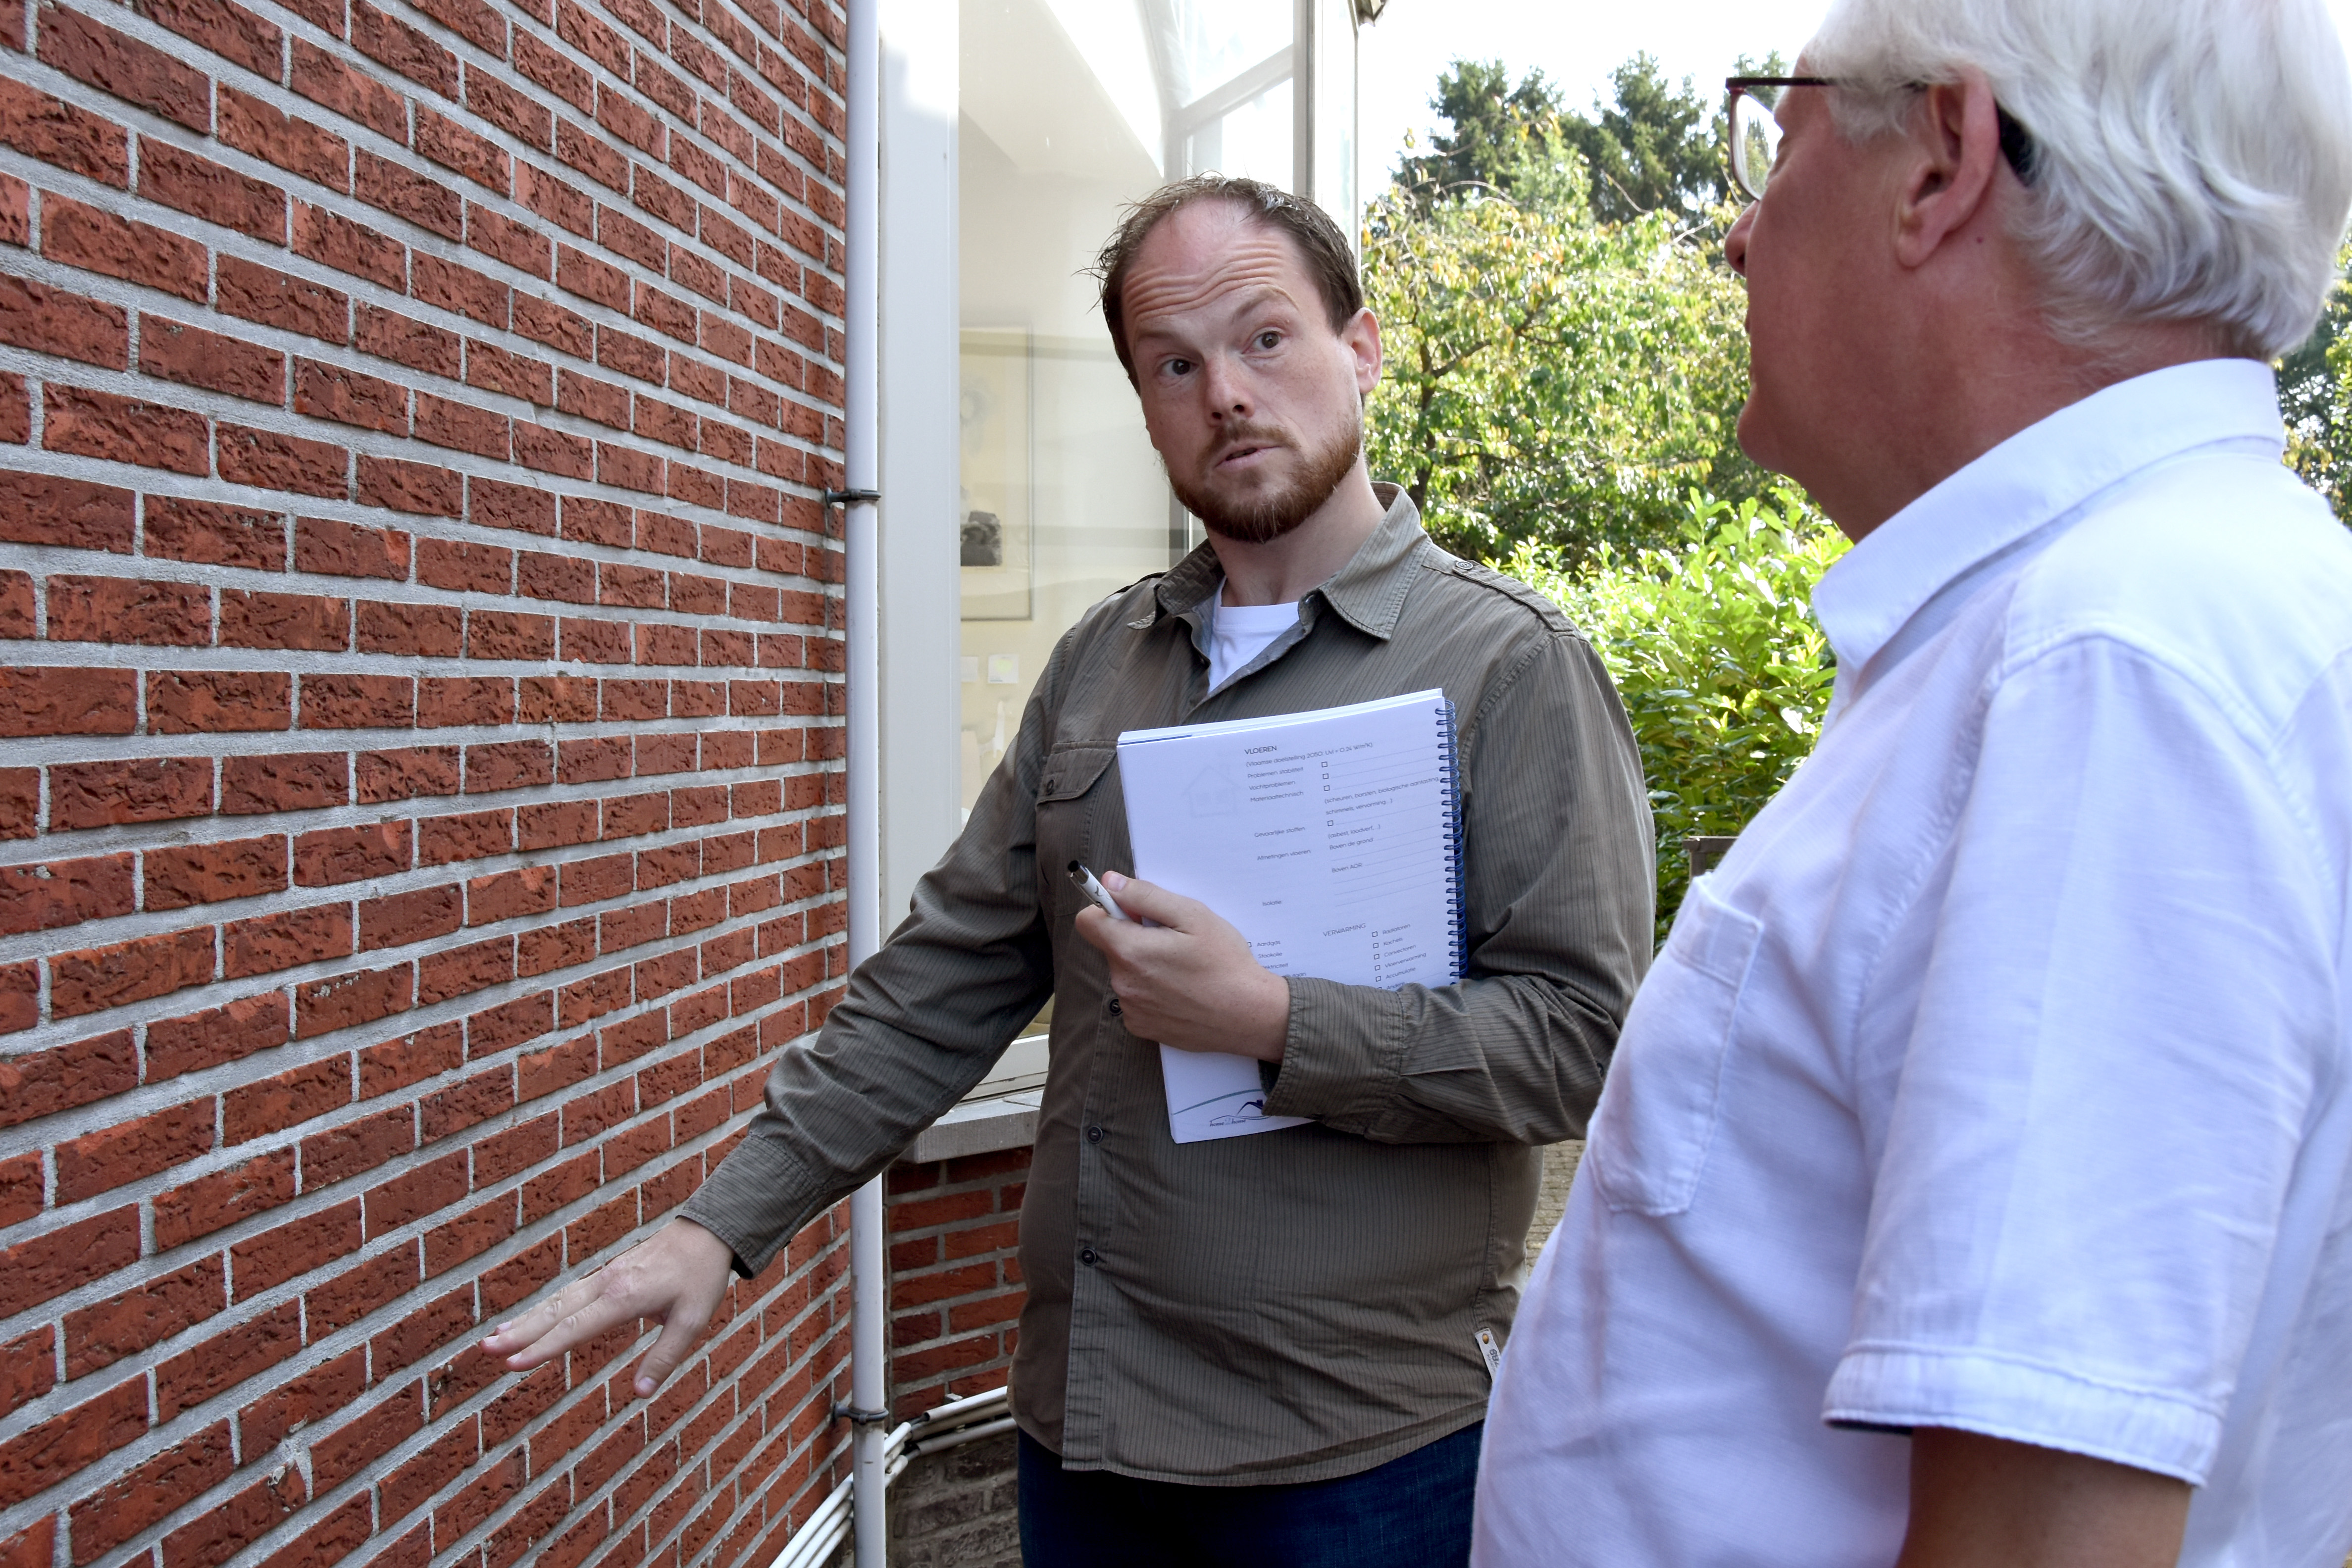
(861, 520)
(957, 1422)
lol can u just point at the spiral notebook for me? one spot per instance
(1332, 840)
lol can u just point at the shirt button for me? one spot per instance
(1087, 1255)
(1094, 1135)
(1114, 1005)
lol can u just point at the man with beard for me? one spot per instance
(1256, 1349)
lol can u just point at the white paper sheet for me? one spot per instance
(1327, 838)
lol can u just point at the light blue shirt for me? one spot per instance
(1997, 1079)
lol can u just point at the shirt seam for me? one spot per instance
(1946, 1354)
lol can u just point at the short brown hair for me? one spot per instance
(1320, 243)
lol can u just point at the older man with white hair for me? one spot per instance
(1973, 1184)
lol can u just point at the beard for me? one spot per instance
(1264, 518)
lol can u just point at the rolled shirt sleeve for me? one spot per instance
(2104, 1090)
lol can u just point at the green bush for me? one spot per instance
(1712, 646)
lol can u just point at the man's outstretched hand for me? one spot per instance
(677, 1274)
(1189, 978)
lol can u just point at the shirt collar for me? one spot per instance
(1367, 593)
(2035, 478)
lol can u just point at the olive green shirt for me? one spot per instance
(1298, 1304)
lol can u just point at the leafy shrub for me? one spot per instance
(1711, 641)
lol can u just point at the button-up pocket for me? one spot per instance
(1657, 1113)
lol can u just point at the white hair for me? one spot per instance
(2194, 157)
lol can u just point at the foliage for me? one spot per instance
(1711, 641)
(1653, 149)
(1551, 379)
(2316, 395)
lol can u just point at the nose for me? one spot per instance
(1224, 387)
(1735, 244)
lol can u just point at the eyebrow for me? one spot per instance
(1261, 294)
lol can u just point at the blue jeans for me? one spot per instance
(1411, 1512)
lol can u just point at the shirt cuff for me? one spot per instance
(2024, 1402)
(1338, 1055)
(756, 1201)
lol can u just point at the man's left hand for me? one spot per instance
(1188, 979)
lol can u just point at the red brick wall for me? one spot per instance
(955, 1283)
(417, 797)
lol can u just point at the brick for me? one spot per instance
(404, 775)
(349, 397)
(250, 618)
(91, 424)
(406, 194)
(353, 94)
(20, 802)
(64, 893)
(45, 1266)
(128, 609)
(399, 47)
(454, 148)
(101, 242)
(358, 701)
(496, 369)
(459, 289)
(143, 1496)
(57, 132)
(407, 341)
(286, 939)
(401, 485)
(275, 298)
(181, 875)
(293, 144)
(296, 781)
(217, 1035)
(337, 855)
(285, 1100)
(354, 1147)
(460, 427)
(67, 1444)
(405, 918)
(496, 634)
(198, 702)
(194, 357)
(347, 549)
(361, 997)
(96, 979)
(102, 1161)
(245, 1351)
(136, 72)
(288, 1252)
(216, 1534)
(43, 509)
(273, 462)
(203, 189)
(143, 1315)
(473, 20)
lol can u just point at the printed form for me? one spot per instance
(1328, 838)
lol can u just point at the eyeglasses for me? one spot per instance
(1756, 135)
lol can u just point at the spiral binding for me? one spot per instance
(1448, 770)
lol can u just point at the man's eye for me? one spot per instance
(1178, 367)
(1269, 339)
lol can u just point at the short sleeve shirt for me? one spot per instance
(1997, 1079)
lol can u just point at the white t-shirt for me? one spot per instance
(1240, 633)
(1997, 1080)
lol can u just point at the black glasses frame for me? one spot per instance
(2017, 143)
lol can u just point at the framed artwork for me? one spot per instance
(996, 544)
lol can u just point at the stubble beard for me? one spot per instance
(1268, 517)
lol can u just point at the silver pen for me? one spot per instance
(1094, 890)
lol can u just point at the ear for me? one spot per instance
(1361, 338)
(1954, 135)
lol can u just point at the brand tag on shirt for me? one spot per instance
(1492, 1351)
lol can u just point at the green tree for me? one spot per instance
(1500, 134)
(1711, 641)
(2316, 395)
(1553, 379)
(1655, 149)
